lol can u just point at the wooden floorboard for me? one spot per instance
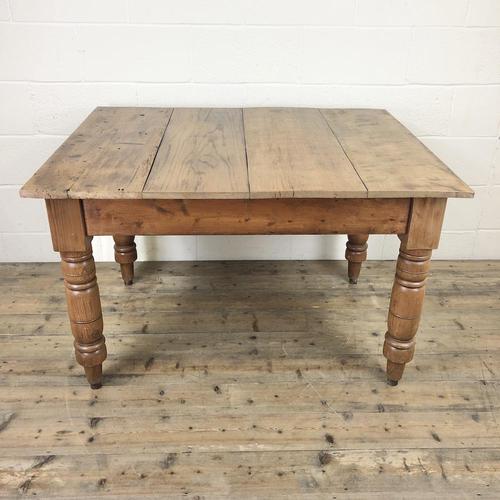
(251, 380)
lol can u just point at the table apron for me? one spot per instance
(244, 217)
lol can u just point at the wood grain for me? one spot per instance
(405, 308)
(220, 400)
(355, 253)
(425, 222)
(239, 154)
(122, 165)
(56, 176)
(67, 225)
(372, 474)
(266, 216)
(292, 153)
(201, 156)
(125, 255)
(469, 307)
(69, 237)
(390, 160)
(109, 155)
(84, 311)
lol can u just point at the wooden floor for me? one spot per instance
(251, 379)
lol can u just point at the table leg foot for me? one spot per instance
(394, 372)
(94, 376)
(127, 271)
(405, 309)
(84, 310)
(356, 250)
(126, 255)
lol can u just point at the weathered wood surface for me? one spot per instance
(405, 308)
(425, 222)
(416, 474)
(108, 156)
(273, 216)
(390, 160)
(70, 239)
(67, 225)
(251, 153)
(271, 385)
(84, 311)
(292, 153)
(202, 155)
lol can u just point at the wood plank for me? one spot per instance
(255, 355)
(266, 216)
(171, 277)
(312, 474)
(199, 394)
(484, 274)
(323, 302)
(108, 156)
(211, 432)
(476, 324)
(202, 155)
(292, 153)
(390, 160)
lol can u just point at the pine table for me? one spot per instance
(195, 171)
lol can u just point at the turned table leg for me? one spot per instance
(355, 254)
(84, 310)
(125, 255)
(405, 309)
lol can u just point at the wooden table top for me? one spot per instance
(202, 153)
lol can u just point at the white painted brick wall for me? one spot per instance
(435, 64)
(4, 10)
